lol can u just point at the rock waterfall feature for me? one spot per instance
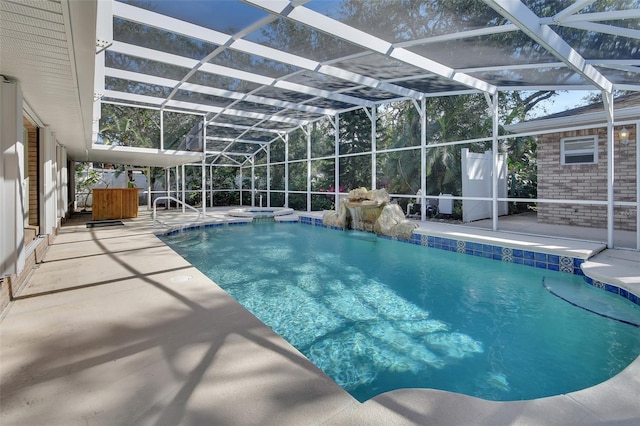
(370, 211)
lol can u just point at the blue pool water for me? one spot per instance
(377, 315)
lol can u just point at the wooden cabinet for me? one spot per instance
(115, 203)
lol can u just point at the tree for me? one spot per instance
(128, 126)
(355, 137)
(86, 179)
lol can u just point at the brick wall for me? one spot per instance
(586, 182)
(32, 170)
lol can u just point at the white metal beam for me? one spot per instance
(328, 25)
(613, 15)
(605, 29)
(570, 10)
(197, 88)
(519, 14)
(240, 127)
(157, 20)
(442, 38)
(190, 106)
(187, 63)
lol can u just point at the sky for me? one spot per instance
(564, 101)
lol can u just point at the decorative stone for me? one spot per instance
(358, 194)
(370, 211)
(393, 223)
(336, 219)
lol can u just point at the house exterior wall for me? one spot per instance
(586, 182)
(17, 256)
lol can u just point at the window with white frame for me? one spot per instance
(579, 150)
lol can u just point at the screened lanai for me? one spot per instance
(279, 103)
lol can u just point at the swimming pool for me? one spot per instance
(376, 314)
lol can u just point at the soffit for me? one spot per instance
(49, 48)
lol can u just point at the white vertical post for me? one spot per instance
(48, 195)
(268, 175)
(241, 183)
(423, 157)
(178, 189)
(495, 173)
(374, 144)
(286, 170)
(203, 189)
(336, 172)
(167, 183)
(149, 189)
(308, 167)
(161, 129)
(637, 125)
(203, 172)
(211, 204)
(609, 110)
(253, 182)
(62, 206)
(184, 188)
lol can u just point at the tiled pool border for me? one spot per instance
(535, 259)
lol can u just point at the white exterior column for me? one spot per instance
(49, 185)
(12, 194)
(61, 169)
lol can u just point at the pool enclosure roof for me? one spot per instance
(257, 69)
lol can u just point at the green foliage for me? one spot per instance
(176, 127)
(298, 202)
(297, 145)
(140, 127)
(127, 126)
(355, 137)
(86, 179)
(322, 202)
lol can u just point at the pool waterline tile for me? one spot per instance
(541, 260)
(530, 258)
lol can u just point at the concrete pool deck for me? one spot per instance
(113, 327)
